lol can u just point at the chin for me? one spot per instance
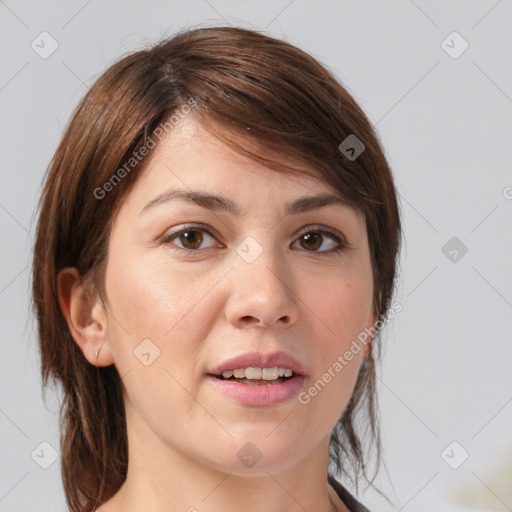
(256, 458)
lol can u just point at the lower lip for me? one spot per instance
(260, 396)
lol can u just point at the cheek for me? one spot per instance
(152, 301)
(150, 297)
(344, 308)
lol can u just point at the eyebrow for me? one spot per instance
(219, 203)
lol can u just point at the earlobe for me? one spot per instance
(85, 317)
(372, 327)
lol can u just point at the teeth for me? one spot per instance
(252, 373)
(270, 373)
(258, 373)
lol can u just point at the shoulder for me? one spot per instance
(347, 498)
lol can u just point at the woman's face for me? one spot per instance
(254, 281)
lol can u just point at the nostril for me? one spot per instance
(249, 319)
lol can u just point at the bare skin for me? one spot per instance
(200, 309)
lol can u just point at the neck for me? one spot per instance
(162, 478)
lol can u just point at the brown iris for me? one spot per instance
(192, 237)
(313, 240)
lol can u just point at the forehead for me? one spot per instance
(192, 157)
(215, 177)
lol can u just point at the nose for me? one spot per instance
(262, 293)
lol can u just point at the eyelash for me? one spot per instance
(342, 245)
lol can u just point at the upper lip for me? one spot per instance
(259, 360)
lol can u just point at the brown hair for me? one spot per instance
(283, 102)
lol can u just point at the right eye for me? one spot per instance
(190, 238)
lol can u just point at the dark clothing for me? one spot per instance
(347, 498)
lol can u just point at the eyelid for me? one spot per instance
(183, 228)
(325, 230)
(336, 235)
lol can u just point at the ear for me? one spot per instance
(372, 322)
(86, 317)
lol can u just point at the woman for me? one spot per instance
(215, 255)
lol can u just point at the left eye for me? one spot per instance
(312, 240)
(190, 238)
(315, 239)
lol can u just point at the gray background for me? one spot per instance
(446, 124)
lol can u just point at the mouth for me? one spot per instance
(255, 382)
(258, 387)
(258, 379)
(253, 376)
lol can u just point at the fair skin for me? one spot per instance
(203, 308)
